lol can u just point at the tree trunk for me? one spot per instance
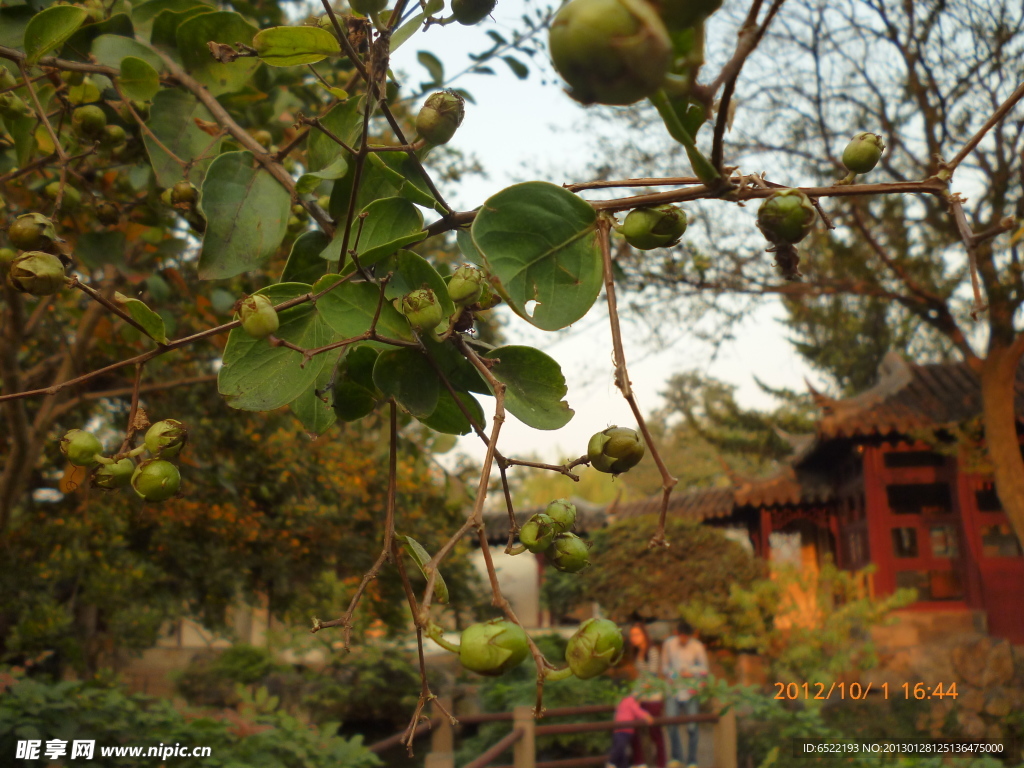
(998, 382)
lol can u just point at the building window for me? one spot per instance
(932, 585)
(987, 500)
(943, 541)
(904, 542)
(898, 459)
(999, 541)
(919, 498)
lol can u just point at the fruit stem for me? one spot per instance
(102, 459)
(554, 675)
(702, 167)
(435, 633)
(518, 549)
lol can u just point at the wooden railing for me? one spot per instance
(525, 730)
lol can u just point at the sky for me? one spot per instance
(530, 129)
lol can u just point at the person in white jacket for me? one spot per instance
(684, 663)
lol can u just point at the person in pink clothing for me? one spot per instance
(627, 710)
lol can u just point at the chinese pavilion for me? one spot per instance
(869, 486)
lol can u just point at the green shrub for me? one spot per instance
(258, 736)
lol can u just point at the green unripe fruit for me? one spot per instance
(72, 197)
(107, 212)
(116, 475)
(156, 480)
(264, 137)
(569, 553)
(863, 152)
(610, 51)
(166, 438)
(73, 78)
(184, 193)
(31, 231)
(324, 201)
(647, 228)
(470, 12)
(786, 216)
(422, 309)
(6, 78)
(300, 211)
(295, 224)
(88, 121)
(7, 255)
(494, 647)
(563, 512)
(12, 106)
(368, 7)
(681, 14)
(537, 533)
(596, 645)
(36, 273)
(81, 448)
(615, 450)
(259, 318)
(112, 135)
(466, 284)
(440, 117)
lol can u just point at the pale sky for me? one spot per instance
(523, 130)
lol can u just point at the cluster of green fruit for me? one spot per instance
(154, 479)
(548, 533)
(494, 647)
(37, 270)
(620, 51)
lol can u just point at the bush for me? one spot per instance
(629, 577)
(259, 736)
(211, 679)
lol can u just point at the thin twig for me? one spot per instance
(948, 168)
(389, 533)
(668, 482)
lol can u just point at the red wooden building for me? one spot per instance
(866, 488)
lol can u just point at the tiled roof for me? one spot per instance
(908, 397)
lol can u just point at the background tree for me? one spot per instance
(892, 273)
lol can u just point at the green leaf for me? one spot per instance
(144, 14)
(519, 69)
(118, 25)
(355, 394)
(290, 46)
(540, 243)
(308, 182)
(165, 25)
(390, 223)
(349, 310)
(256, 376)
(218, 27)
(421, 557)
(13, 22)
(433, 65)
(246, 211)
(402, 174)
(150, 321)
(304, 264)
(534, 386)
(449, 419)
(455, 367)
(172, 120)
(113, 49)
(50, 28)
(405, 375)
(139, 80)
(97, 249)
(345, 121)
(316, 415)
(464, 239)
